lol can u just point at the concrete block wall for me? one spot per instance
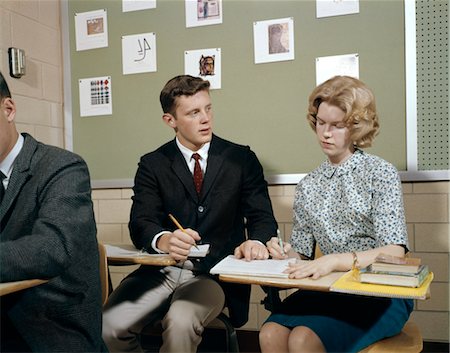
(35, 27)
(427, 215)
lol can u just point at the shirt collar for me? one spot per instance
(329, 170)
(187, 153)
(6, 166)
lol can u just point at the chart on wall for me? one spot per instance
(95, 96)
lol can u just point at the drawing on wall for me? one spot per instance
(91, 30)
(278, 38)
(328, 8)
(139, 53)
(274, 40)
(136, 5)
(330, 66)
(204, 63)
(95, 96)
(203, 12)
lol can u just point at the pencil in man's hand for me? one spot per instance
(179, 226)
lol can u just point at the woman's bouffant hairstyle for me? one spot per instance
(355, 99)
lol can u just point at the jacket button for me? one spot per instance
(200, 209)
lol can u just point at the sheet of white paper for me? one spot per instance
(95, 96)
(206, 64)
(136, 5)
(274, 40)
(139, 53)
(328, 8)
(329, 66)
(266, 268)
(91, 30)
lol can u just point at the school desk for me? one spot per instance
(330, 283)
(11, 287)
(132, 256)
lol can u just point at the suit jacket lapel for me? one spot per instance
(181, 170)
(215, 161)
(21, 173)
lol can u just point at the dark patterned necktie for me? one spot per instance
(2, 188)
(198, 174)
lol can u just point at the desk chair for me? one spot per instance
(104, 273)
(222, 321)
(409, 340)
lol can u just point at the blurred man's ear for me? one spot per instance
(9, 108)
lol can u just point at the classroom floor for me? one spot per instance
(214, 342)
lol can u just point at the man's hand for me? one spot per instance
(251, 250)
(179, 243)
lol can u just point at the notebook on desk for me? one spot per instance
(230, 265)
(348, 284)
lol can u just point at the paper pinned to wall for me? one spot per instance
(95, 96)
(203, 12)
(91, 30)
(206, 64)
(329, 66)
(328, 8)
(274, 40)
(139, 53)
(136, 5)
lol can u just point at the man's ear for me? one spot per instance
(170, 120)
(9, 107)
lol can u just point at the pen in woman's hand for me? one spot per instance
(280, 241)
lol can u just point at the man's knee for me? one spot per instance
(185, 322)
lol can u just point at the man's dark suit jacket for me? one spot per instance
(48, 231)
(234, 198)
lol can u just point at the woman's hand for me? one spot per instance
(275, 251)
(313, 268)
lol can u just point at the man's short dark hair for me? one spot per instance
(183, 85)
(4, 89)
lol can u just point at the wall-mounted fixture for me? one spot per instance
(16, 62)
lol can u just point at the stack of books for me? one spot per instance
(395, 271)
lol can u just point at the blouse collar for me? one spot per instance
(329, 170)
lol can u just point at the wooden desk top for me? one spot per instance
(11, 287)
(321, 284)
(126, 254)
(153, 260)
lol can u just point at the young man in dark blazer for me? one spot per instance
(230, 200)
(47, 231)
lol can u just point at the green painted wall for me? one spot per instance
(261, 105)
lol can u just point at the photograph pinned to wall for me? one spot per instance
(139, 53)
(137, 5)
(204, 63)
(274, 40)
(329, 8)
(91, 30)
(203, 12)
(95, 96)
(330, 66)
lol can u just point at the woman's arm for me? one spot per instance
(340, 262)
